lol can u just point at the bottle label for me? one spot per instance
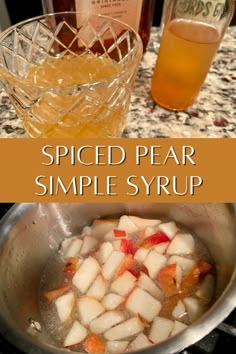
(202, 10)
(123, 10)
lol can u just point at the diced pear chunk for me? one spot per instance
(98, 288)
(194, 308)
(87, 230)
(117, 346)
(140, 342)
(147, 284)
(178, 275)
(112, 301)
(116, 245)
(94, 344)
(106, 321)
(142, 303)
(110, 267)
(169, 228)
(66, 243)
(76, 334)
(160, 329)
(125, 329)
(141, 254)
(104, 252)
(110, 236)
(162, 247)
(64, 305)
(149, 231)
(185, 263)
(71, 247)
(89, 309)
(125, 223)
(101, 227)
(123, 284)
(178, 327)
(206, 288)
(154, 262)
(86, 274)
(89, 244)
(179, 310)
(181, 244)
(143, 223)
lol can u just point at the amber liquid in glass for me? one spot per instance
(63, 112)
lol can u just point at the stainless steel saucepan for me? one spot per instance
(31, 233)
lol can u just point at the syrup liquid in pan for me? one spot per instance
(161, 239)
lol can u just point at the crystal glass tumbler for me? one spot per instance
(70, 74)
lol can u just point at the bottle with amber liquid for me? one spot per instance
(192, 33)
(136, 13)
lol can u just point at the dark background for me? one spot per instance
(4, 207)
(22, 10)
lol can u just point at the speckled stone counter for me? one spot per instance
(213, 114)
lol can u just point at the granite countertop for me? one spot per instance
(213, 114)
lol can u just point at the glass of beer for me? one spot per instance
(70, 75)
(193, 31)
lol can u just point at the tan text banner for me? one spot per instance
(117, 170)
